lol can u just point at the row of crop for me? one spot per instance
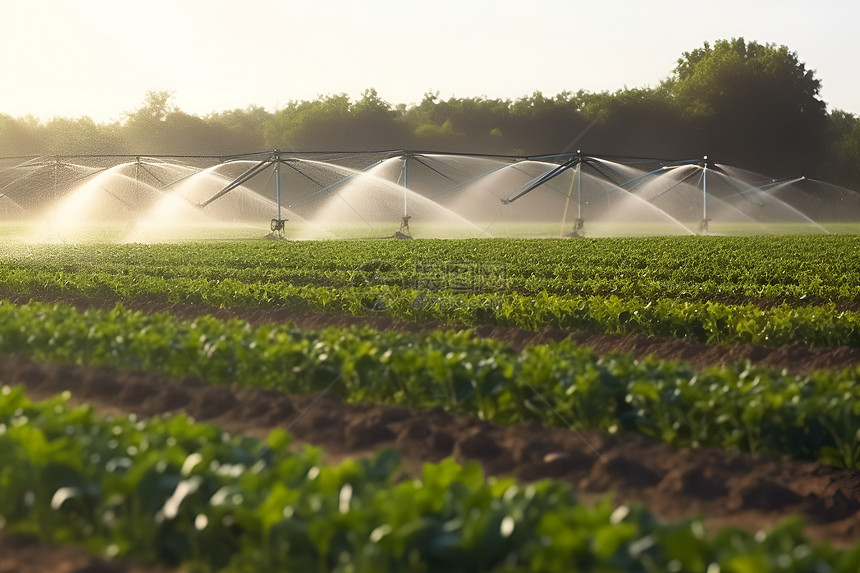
(711, 322)
(737, 408)
(170, 491)
(795, 269)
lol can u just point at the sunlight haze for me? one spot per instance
(98, 58)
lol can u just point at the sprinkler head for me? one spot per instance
(707, 163)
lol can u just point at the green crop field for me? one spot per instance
(170, 491)
(734, 407)
(764, 290)
(178, 492)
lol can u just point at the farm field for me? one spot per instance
(762, 290)
(359, 346)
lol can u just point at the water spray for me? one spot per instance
(137, 174)
(56, 179)
(44, 180)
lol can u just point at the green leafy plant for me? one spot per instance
(182, 494)
(736, 407)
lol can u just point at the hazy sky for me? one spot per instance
(99, 57)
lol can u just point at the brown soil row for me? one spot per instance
(727, 488)
(794, 358)
(23, 555)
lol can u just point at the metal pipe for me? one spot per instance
(705, 189)
(278, 183)
(137, 175)
(540, 180)
(578, 176)
(405, 183)
(241, 180)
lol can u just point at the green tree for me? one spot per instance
(460, 124)
(334, 122)
(145, 127)
(240, 130)
(540, 124)
(157, 105)
(755, 105)
(375, 124)
(842, 161)
(638, 121)
(65, 136)
(431, 126)
(303, 125)
(20, 136)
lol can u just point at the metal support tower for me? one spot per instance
(703, 224)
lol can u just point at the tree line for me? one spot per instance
(742, 103)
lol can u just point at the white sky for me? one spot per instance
(98, 58)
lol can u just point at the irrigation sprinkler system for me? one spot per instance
(331, 188)
(575, 163)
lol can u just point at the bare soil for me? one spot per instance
(23, 555)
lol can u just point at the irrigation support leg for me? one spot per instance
(580, 222)
(278, 184)
(278, 224)
(404, 233)
(405, 184)
(703, 224)
(579, 190)
(137, 174)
